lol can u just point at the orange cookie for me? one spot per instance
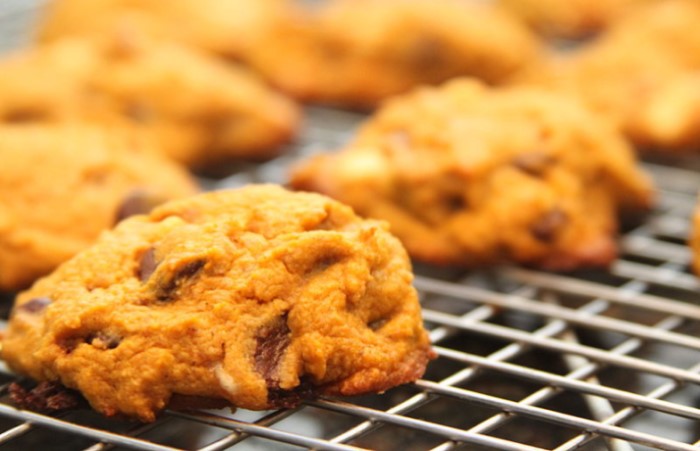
(61, 186)
(355, 53)
(643, 76)
(259, 297)
(200, 111)
(472, 176)
(224, 27)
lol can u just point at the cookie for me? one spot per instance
(570, 18)
(473, 176)
(258, 297)
(641, 76)
(61, 185)
(226, 28)
(200, 111)
(354, 53)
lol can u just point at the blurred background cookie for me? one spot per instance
(199, 111)
(472, 176)
(355, 53)
(641, 75)
(224, 27)
(61, 185)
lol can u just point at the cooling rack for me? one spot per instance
(527, 360)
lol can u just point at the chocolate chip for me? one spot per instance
(272, 342)
(548, 225)
(377, 324)
(45, 397)
(138, 112)
(288, 399)
(19, 116)
(426, 53)
(147, 265)
(167, 286)
(533, 163)
(326, 261)
(455, 202)
(35, 305)
(138, 202)
(104, 340)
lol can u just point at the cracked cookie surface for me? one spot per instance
(474, 176)
(355, 53)
(61, 185)
(259, 297)
(198, 110)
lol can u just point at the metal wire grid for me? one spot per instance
(527, 360)
(619, 348)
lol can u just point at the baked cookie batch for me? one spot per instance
(490, 143)
(473, 176)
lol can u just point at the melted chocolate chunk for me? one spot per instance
(36, 305)
(138, 202)
(104, 340)
(271, 344)
(19, 116)
(46, 397)
(147, 265)
(288, 399)
(427, 53)
(377, 324)
(100, 339)
(326, 261)
(455, 202)
(548, 225)
(169, 285)
(533, 163)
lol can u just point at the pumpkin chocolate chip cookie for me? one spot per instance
(641, 76)
(200, 111)
(258, 296)
(473, 176)
(223, 27)
(355, 53)
(61, 185)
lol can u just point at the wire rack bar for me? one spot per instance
(587, 370)
(13, 433)
(655, 275)
(627, 412)
(134, 431)
(553, 311)
(550, 416)
(85, 431)
(413, 423)
(501, 332)
(263, 431)
(573, 384)
(577, 287)
(236, 437)
(644, 246)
